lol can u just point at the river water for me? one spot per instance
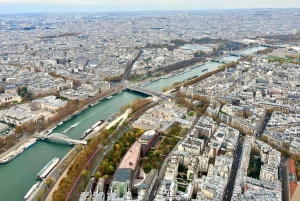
(160, 84)
(252, 50)
(17, 177)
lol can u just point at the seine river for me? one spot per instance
(17, 177)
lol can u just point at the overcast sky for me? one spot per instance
(24, 6)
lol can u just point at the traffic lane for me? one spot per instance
(285, 179)
(231, 181)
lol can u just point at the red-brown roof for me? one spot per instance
(293, 187)
(292, 168)
(131, 158)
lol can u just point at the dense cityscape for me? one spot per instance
(169, 105)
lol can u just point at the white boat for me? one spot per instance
(49, 131)
(167, 76)
(98, 123)
(187, 70)
(60, 123)
(47, 168)
(70, 128)
(33, 188)
(93, 104)
(146, 84)
(109, 97)
(30, 144)
(10, 158)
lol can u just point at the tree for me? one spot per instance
(22, 93)
(41, 194)
(186, 103)
(285, 152)
(48, 182)
(110, 169)
(101, 169)
(19, 129)
(264, 139)
(98, 175)
(85, 174)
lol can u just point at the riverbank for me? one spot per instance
(35, 158)
(148, 81)
(119, 119)
(48, 196)
(16, 150)
(63, 174)
(20, 147)
(57, 174)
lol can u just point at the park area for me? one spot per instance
(254, 166)
(157, 154)
(283, 59)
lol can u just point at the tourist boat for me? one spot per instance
(93, 104)
(49, 131)
(76, 114)
(10, 158)
(70, 128)
(97, 124)
(47, 168)
(187, 70)
(167, 76)
(30, 144)
(32, 189)
(146, 84)
(88, 131)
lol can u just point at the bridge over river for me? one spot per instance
(60, 137)
(149, 92)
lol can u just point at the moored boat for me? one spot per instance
(187, 70)
(32, 189)
(30, 144)
(76, 114)
(47, 168)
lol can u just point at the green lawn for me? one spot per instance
(191, 114)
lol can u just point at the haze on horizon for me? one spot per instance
(37, 6)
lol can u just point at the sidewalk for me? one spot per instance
(55, 187)
(123, 117)
(15, 149)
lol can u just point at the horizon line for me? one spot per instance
(151, 10)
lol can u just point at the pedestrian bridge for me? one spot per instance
(61, 137)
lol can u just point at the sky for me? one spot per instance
(37, 6)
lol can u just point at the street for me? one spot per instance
(262, 130)
(236, 161)
(284, 178)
